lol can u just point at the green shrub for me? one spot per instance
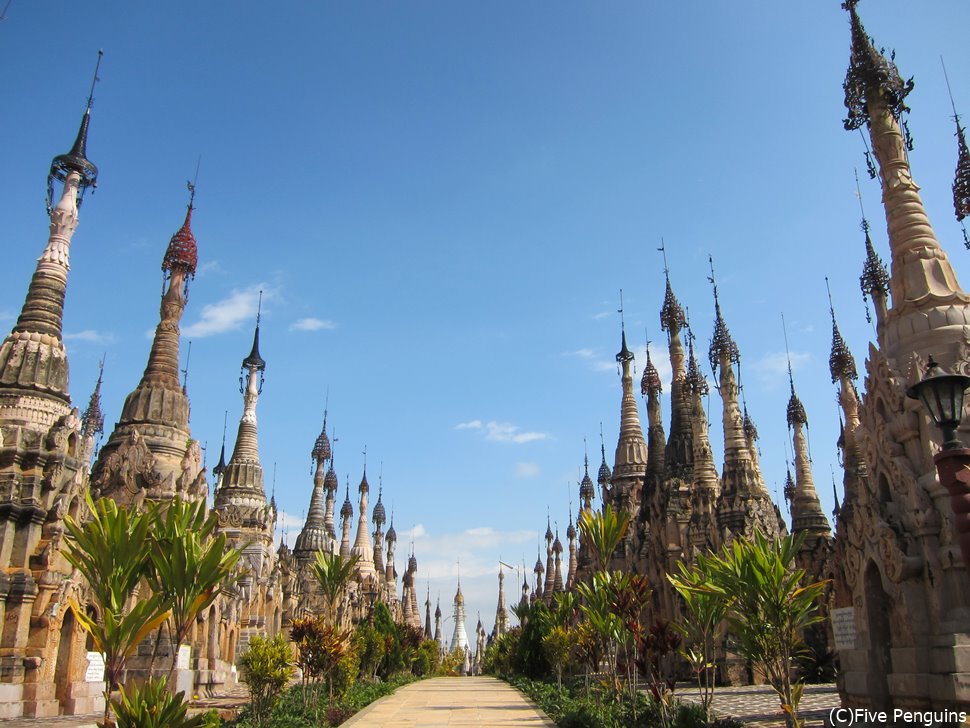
(426, 660)
(266, 669)
(152, 706)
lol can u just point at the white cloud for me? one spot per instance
(502, 431)
(231, 312)
(289, 526)
(90, 335)
(312, 324)
(210, 266)
(526, 470)
(507, 432)
(580, 353)
(772, 368)
(601, 315)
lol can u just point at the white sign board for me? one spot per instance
(95, 671)
(843, 628)
(185, 657)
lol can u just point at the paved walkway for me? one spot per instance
(758, 705)
(452, 701)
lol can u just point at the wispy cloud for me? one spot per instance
(527, 470)
(502, 431)
(772, 368)
(312, 324)
(465, 546)
(601, 315)
(210, 266)
(231, 312)
(289, 525)
(594, 359)
(91, 336)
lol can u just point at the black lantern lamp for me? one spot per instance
(942, 394)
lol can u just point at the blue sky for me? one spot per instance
(441, 202)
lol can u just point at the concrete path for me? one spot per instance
(757, 705)
(452, 701)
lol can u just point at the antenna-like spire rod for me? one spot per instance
(858, 194)
(663, 251)
(620, 311)
(710, 261)
(94, 80)
(784, 330)
(185, 372)
(956, 117)
(259, 307)
(3, 13)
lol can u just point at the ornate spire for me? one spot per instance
(178, 266)
(961, 179)
(796, 410)
(723, 350)
(220, 467)
(695, 377)
(314, 536)
(380, 516)
(92, 421)
(254, 361)
(650, 382)
(928, 310)
(322, 450)
(76, 161)
(841, 362)
(243, 479)
(604, 475)
(346, 513)
(630, 461)
(362, 544)
(871, 77)
(586, 489)
(33, 360)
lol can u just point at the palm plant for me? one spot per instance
(152, 705)
(702, 631)
(769, 608)
(111, 551)
(334, 573)
(602, 532)
(189, 565)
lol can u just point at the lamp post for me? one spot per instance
(942, 394)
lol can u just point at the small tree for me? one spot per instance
(559, 646)
(334, 573)
(702, 630)
(190, 565)
(111, 551)
(266, 669)
(768, 609)
(602, 532)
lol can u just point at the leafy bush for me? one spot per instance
(152, 706)
(426, 660)
(370, 649)
(266, 669)
(574, 709)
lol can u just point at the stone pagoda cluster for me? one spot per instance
(48, 465)
(899, 588)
